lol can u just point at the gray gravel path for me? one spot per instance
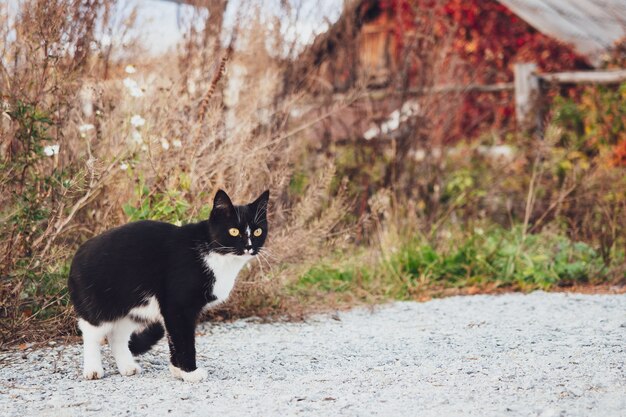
(510, 355)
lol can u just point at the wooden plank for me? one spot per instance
(592, 77)
(526, 94)
(383, 93)
(478, 88)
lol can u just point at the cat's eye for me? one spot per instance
(233, 232)
(258, 232)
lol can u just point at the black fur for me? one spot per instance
(143, 341)
(118, 270)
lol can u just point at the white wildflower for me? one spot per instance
(136, 92)
(86, 127)
(419, 155)
(392, 123)
(51, 150)
(130, 69)
(123, 166)
(137, 121)
(133, 87)
(136, 136)
(409, 109)
(296, 112)
(165, 144)
(191, 87)
(130, 83)
(177, 143)
(106, 40)
(371, 133)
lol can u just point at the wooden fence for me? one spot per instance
(529, 86)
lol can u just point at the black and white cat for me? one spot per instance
(133, 283)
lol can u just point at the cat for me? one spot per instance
(133, 283)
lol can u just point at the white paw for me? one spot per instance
(176, 372)
(129, 369)
(93, 373)
(194, 376)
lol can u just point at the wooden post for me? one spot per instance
(526, 96)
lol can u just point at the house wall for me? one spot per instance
(377, 50)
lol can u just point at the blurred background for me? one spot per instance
(413, 148)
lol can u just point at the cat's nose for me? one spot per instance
(248, 247)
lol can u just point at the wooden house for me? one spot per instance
(367, 42)
(379, 45)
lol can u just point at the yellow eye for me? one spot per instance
(258, 232)
(233, 232)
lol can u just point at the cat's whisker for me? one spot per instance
(261, 265)
(263, 258)
(263, 254)
(266, 260)
(268, 254)
(268, 251)
(260, 213)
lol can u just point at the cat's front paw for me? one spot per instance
(93, 373)
(194, 376)
(129, 369)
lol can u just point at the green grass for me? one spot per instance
(497, 258)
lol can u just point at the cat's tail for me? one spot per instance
(142, 341)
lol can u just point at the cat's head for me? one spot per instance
(239, 230)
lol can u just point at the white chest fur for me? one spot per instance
(225, 268)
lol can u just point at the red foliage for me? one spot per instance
(619, 154)
(489, 39)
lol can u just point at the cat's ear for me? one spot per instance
(222, 203)
(260, 204)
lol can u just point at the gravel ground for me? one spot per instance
(509, 355)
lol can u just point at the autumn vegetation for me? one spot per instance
(456, 199)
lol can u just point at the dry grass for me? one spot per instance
(165, 137)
